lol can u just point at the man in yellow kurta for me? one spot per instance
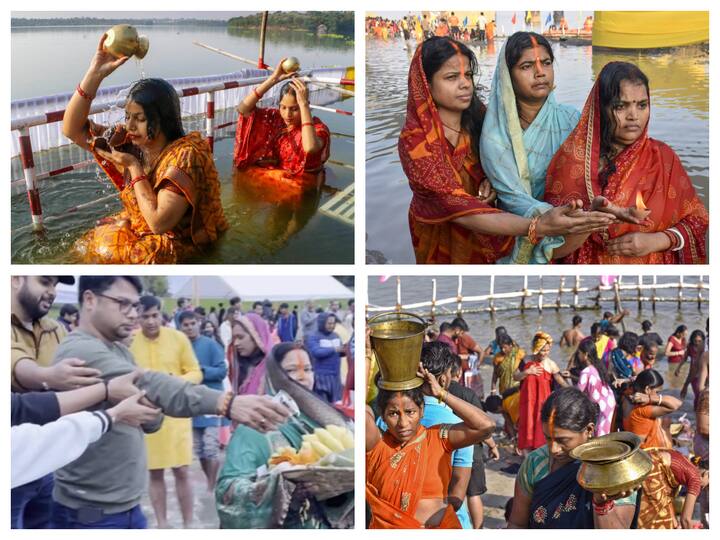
(168, 351)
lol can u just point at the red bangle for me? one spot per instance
(257, 94)
(136, 180)
(603, 509)
(532, 231)
(84, 94)
(307, 124)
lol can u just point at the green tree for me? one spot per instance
(155, 285)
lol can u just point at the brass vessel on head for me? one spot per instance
(123, 40)
(397, 339)
(612, 464)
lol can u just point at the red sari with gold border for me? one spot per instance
(444, 181)
(647, 166)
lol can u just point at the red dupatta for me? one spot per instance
(263, 135)
(648, 167)
(439, 176)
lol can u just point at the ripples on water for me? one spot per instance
(679, 89)
(260, 231)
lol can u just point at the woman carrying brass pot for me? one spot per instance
(408, 466)
(547, 494)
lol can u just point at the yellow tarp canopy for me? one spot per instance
(650, 29)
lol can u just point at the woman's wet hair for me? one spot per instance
(435, 52)
(436, 357)
(384, 397)
(697, 334)
(587, 346)
(628, 342)
(519, 42)
(287, 89)
(577, 319)
(504, 339)
(571, 409)
(161, 105)
(679, 330)
(648, 377)
(609, 80)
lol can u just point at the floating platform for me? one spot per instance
(650, 29)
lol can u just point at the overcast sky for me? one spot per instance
(210, 15)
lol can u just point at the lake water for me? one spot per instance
(51, 60)
(679, 88)
(522, 326)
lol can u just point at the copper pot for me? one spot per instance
(612, 463)
(123, 40)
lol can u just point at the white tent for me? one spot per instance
(246, 287)
(260, 287)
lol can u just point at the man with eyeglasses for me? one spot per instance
(167, 350)
(34, 340)
(103, 488)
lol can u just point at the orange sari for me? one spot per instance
(397, 476)
(648, 167)
(444, 182)
(185, 167)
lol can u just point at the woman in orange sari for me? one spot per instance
(649, 407)
(452, 214)
(287, 144)
(167, 180)
(610, 154)
(408, 467)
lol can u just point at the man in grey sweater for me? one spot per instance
(103, 488)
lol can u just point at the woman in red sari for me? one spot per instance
(610, 154)
(452, 214)
(287, 144)
(536, 375)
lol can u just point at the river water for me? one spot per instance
(679, 88)
(522, 326)
(51, 60)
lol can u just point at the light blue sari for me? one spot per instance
(515, 162)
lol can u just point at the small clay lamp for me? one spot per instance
(640, 211)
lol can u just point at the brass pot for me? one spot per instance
(123, 40)
(291, 64)
(397, 339)
(612, 463)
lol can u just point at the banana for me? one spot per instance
(344, 435)
(320, 448)
(327, 438)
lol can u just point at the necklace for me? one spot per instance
(451, 128)
(527, 122)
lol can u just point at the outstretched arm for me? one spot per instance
(247, 105)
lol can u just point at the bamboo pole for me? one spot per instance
(434, 299)
(654, 293)
(263, 27)
(559, 294)
(524, 294)
(618, 304)
(699, 297)
(492, 293)
(398, 298)
(575, 291)
(639, 297)
(540, 296)
(680, 293)
(459, 296)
